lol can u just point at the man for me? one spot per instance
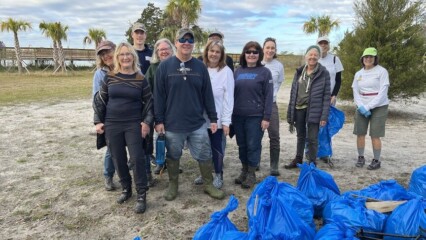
(333, 65)
(218, 36)
(142, 49)
(182, 93)
(144, 54)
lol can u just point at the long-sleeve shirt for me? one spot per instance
(182, 93)
(253, 92)
(334, 66)
(370, 87)
(98, 78)
(223, 93)
(277, 71)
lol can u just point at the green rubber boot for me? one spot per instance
(173, 170)
(206, 168)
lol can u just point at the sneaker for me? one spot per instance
(198, 181)
(217, 180)
(375, 164)
(361, 162)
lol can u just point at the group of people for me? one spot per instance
(199, 102)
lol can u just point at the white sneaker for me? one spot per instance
(217, 180)
(198, 181)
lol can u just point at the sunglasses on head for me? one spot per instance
(250, 52)
(183, 40)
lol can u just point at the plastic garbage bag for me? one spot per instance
(418, 182)
(386, 190)
(407, 219)
(318, 185)
(353, 214)
(219, 223)
(336, 231)
(336, 119)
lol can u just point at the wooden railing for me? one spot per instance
(71, 54)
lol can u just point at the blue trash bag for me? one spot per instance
(336, 231)
(418, 182)
(353, 214)
(386, 190)
(318, 185)
(298, 201)
(253, 233)
(219, 223)
(276, 214)
(160, 149)
(407, 219)
(336, 119)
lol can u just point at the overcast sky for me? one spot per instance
(240, 21)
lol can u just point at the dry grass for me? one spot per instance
(42, 86)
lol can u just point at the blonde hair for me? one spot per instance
(155, 58)
(117, 66)
(209, 46)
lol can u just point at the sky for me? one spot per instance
(240, 21)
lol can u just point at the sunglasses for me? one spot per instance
(250, 52)
(183, 40)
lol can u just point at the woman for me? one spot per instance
(123, 109)
(277, 70)
(104, 64)
(252, 110)
(309, 104)
(222, 81)
(163, 49)
(370, 90)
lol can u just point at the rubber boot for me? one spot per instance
(173, 171)
(125, 195)
(293, 164)
(206, 168)
(140, 203)
(243, 175)
(109, 184)
(250, 179)
(275, 158)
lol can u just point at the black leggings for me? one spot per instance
(311, 138)
(122, 134)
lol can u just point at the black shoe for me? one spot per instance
(152, 160)
(140, 203)
(375, 164)
(361, 162)
(158, 168)
(293, 164)
(109, 184)
(125, 195)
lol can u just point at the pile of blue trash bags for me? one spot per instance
(278, 210)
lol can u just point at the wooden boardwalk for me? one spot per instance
(36, 54)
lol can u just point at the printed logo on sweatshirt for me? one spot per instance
(247, 76)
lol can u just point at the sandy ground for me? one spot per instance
(51, 178)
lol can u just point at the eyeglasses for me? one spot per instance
(163, 49)
(248, 52)
(127, 54)
(183, 40)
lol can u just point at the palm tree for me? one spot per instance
(322, 24)
(15, 26)
(185, 11)
(60, 33)
(48, 31)
(95, 35)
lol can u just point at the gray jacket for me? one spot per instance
(319, 97)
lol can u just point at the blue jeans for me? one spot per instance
(198, 144)
(249, 134)
(109, 168)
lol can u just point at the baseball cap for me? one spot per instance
(138, 26)
(323, 38)
(183, 31)
(369, 52)
(217, 33)
(104, 45)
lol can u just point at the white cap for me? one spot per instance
(323, 38)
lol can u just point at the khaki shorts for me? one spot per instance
(377, 122)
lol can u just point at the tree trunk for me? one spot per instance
(61, 56)
(184, 23)
(55, 55)
(18, 52)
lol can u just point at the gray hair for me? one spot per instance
(155, 58)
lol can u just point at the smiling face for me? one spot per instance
(139, 37)
(312, 57)
(325, 47)
(368, 61)
(214, 55)
(107, 57)
(184, 50)
(164, 51)
(252, 56)
(269, 50)
(125, 59)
